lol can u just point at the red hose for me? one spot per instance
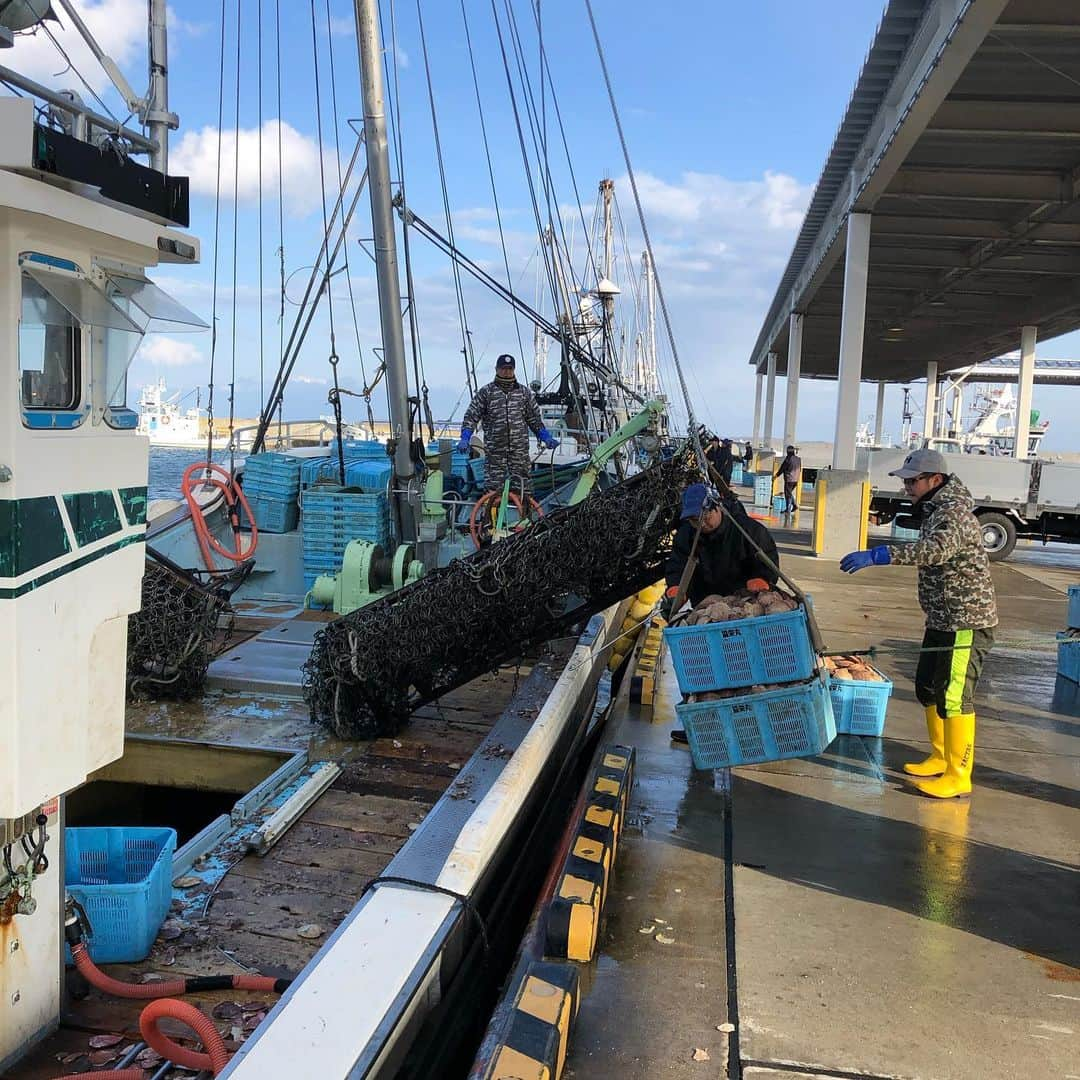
(234, 498)
(216, 1057)
(171, 987)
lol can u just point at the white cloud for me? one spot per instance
(163, 351)
(196, 156)
(119, 27)
(309, 380)
(342, 25)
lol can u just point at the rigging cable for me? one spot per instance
(262, 318)
(217, 223)
(341, 187)
(419, 374)
(235, 245)
(281, 208)
(584, 406)
(463, 318)
(699, 452)
(335, 393)
(491, 177)
(78, 74)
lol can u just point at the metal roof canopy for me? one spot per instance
(1006, 369)
(962, 140)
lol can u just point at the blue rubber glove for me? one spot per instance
(545, 438)
(860, 560)
(466, 438)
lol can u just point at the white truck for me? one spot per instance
(1037, 500)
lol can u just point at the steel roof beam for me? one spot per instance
(948, 34)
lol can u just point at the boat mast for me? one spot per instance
(650, 383)
(382, 221)
(158, 118)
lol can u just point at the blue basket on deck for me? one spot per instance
(1074, 607)
(860, 706)
(748, 478)
(122, 877)
(1069, 657)
(737, 474)
(779, 504)
(904, 534)
(795, 721)
(763, 490)
(274, 515)
(743, 652)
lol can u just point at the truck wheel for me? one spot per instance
(998, 534)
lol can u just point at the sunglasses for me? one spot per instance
(921, 476)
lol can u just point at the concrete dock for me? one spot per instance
(819, 917)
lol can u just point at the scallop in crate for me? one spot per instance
(771, 725)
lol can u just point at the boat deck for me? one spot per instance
(271, 913)
(855, 929)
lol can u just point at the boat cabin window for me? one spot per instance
(49, 351)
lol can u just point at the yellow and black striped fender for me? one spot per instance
(572, 921)
(534, 1043)
(643, 680)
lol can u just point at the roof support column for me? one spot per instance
(879, 415)
(1028, 337)
(755, 435)
(852, 324)
(770, 399)
(930, 403)
(794, 367)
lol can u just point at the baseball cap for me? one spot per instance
(506, 360)
(921, 461)
(697, 497)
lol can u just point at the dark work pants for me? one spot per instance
(790, 488)
(949, 669)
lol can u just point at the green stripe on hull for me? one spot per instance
(93, 516)
(67, 568)
(31, 534)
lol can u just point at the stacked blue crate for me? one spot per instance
(334, 516)
(272, 488)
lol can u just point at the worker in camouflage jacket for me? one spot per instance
(957, 595)
(507, 411)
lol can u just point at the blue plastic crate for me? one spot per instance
(860, 706)
(904, 534)
(736, 474)
(123, 879)
(728, 655)
(1074, 607)
(270, 488)
(1069, 657)
(779, 504)
(274, 515)
(763, 490)
(748, 478)
(795, 721)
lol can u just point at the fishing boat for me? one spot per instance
(341, 860)
(162, 421)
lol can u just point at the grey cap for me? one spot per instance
(922, 461)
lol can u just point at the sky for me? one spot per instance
(728, 109)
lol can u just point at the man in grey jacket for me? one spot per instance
(957, 595)
(507, 411)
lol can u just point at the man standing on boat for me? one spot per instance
(507, 411)
(957, 595)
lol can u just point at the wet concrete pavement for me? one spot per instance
(877, 933)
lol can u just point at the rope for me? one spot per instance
(235, 246)
(699, 452)
(217, 224)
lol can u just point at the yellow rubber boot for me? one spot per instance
(959, 759)
(934, 765)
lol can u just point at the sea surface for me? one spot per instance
(167, 465)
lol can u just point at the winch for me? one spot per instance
(367, 574)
